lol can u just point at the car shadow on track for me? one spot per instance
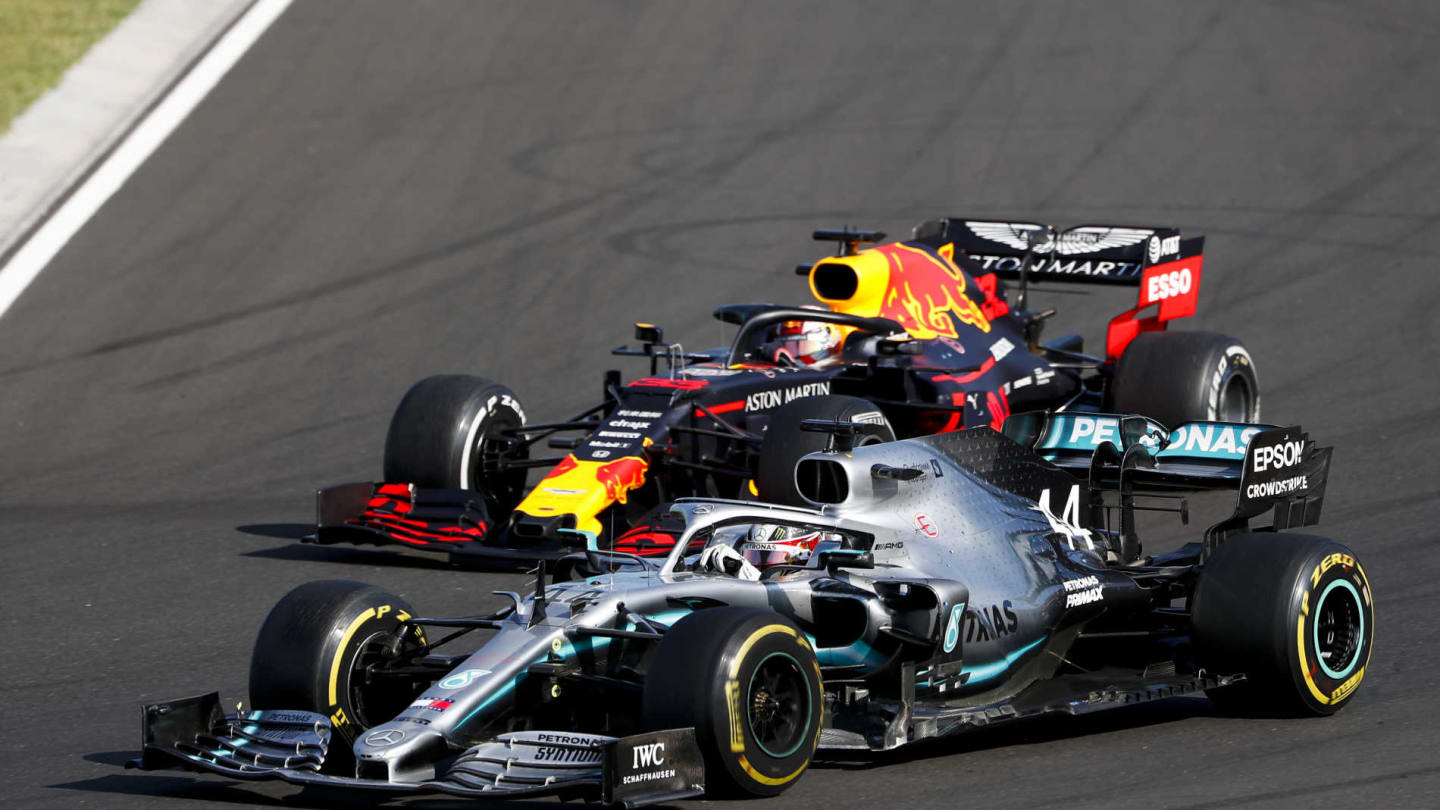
(351, 555)
(151, 785)
(343, 555)
(1035, 731)
(280, 531)
(348, 556)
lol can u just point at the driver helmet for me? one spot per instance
(808, 343)
(771, 544)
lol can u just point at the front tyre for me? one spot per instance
(319, 650)
(1293, 612)
(448, 432)
(1179, 377)
(747, 681)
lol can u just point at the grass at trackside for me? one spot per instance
(40, 39)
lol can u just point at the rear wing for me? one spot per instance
(1163, 263)
(1087, 254)
(1194, 456)
(1270, 467)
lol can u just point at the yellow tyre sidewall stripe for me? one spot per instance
(768, 780)
(1348, 687)
(750, 642)
(340, 652)
(736, 714)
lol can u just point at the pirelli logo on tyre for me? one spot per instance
(1334, 628)
(768, 759)
(732, 685)
(737, 714)
(338, 718)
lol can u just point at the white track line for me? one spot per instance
(50, 237)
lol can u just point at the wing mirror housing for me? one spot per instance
(846, 558)
(893, 348)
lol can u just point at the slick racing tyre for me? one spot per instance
(747, 681)
(446, 433)
(1179, 377)
(785, 443)
(319, 650)
(1294, 613)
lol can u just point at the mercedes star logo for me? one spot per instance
(389, 736)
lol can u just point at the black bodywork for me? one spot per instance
(955, 355)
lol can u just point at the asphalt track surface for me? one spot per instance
(379, 192)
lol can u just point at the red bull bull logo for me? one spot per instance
(621, 475)
(924, 290)
(584, 488)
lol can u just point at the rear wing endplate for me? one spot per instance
(1284, 471)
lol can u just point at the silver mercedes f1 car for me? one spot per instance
(935, 585)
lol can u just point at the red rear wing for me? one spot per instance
(1174, 286)
(1162, 263)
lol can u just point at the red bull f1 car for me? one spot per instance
(918, 337)
(929, 587)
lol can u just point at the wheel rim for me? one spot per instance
(1339, 629)
(502, 490)
(373, 703)
(778, 702)
(1236, 399)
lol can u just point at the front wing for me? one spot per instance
(291, 746)
(449, 521)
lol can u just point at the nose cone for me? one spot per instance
(398, 752)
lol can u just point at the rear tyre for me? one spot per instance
(1293, 612)
(447, 433)
(785, 443)
(1179, 377)
(747, 681)
(317, 650)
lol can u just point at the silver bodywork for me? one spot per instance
(994, 563)
(958, 580)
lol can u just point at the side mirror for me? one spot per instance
(895, 473)
(846, 558)
(843, 434)
(573, 540)
(649, 333)
(890, 348)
